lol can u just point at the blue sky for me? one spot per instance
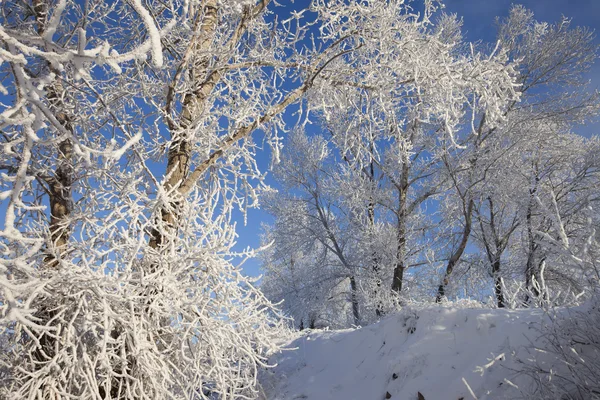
(479, 24)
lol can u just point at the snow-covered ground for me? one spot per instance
(437, 351)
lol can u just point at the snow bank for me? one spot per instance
(438, 352)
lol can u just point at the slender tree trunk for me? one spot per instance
(374, 256)
(398, 277)
(494, 259)
(400, 267)
(530, 267)
(375, 267)
(455, 257)
(498, 283)
(354, 301)
(494, 249)
(337, 250)
(312, 324)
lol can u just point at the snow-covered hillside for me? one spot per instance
(443, 353)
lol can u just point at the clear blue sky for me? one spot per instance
(479, 24)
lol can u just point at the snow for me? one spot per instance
(452, 353)
(153, 32)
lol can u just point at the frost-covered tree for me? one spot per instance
(567, 364)
(386, 184)
(552, 60)
(89, 311)
(565, 177)
(385, 134)
(316, 240)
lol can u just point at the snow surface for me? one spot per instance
(442, 358)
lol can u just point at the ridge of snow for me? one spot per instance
(452, 353)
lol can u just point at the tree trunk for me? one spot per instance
(60, 211)
(498, 282)
(194, 105)
(354, 301)
(60, 199)
(458, 253)
(374, 256)
(494, 253)
(530, 268)
(398, 277)
(59, 186)
(182, 132)
(401, 215)
(60, 203)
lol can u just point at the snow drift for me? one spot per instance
(444, 353)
